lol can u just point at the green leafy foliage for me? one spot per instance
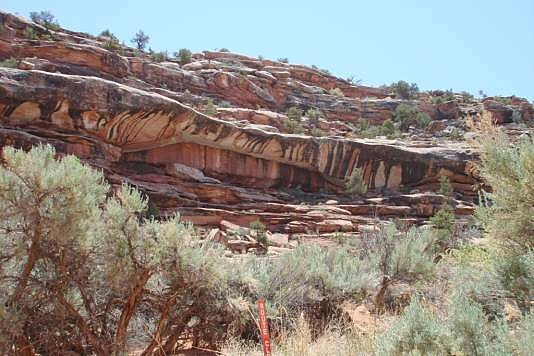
(509, 170)
(259, 231)
(161, 56)
(336, 92)
(405, 90)
(443, 219)
(75, 256)
(355, 183)
(416, 332)
(294, 113)
(29, 34)
(209, 108)
(9, 63)
(313, 116)
(408, 116)
(184, 55)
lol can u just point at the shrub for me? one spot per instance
(525, 330)
(313, 115)
(444, 218)
(79, 264)
(517, 117)
(184, 56)
(140, 40)
(161, 56)
(516, 274)
(283, 60)
(408, 116)
(46, 19)
(29, 34)
(259, 231)
(224, 50)
(309, 275)
(355, 183)
(293, 126)
(336, 92)
(405, 90)
(445, 187)
(467, 97)
(445, 97)
(111, 42)
(294, 113)
(317, 132)
(210, 109)
(506, 212)
(9, 63)
(388, 128)
(468, 326)
(416, 332)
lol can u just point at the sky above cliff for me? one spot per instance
(459, 45)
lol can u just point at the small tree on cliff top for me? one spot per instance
(140, 40)
(46, 19)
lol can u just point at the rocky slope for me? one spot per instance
(141, 121)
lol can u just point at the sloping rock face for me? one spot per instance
(139, 122)
(150, 128)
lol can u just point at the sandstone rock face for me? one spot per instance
(154, 129)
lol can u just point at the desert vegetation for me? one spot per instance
(84, 270)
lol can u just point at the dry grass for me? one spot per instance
(299, 342)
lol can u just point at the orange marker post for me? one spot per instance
(264, 328)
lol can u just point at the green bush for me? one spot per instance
(525, 330)
(445, 97)
(184, 56)
(444, 218)
(29, 34)
(405, 90)
(76, 256)
(336, 92)
(313, 115)
(294, 114)
(161, 56)
(111, 42)
(506, 212)
(283, 60)
(408, 116)
(445, 187)
(209, 108)
(355, 183)
(416, 332)
(293, 126)
(308, 275)
(516, 274)
(259, 231)
(388, 128)
(9, 63)
(468, 325)
(317, 132)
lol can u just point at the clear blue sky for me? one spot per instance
(459, 45)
